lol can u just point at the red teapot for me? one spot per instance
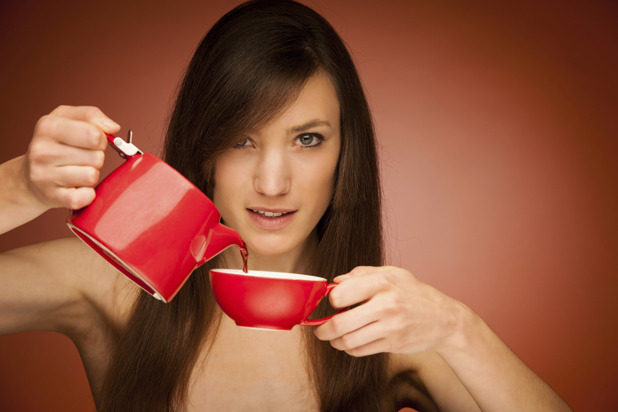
(151, 223)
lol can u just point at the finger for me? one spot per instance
(48, 154)
(346, 322)
(70, 198)
(359, 270)
(360, 286)
(359, 338)
(70, 132)
(69, 186)
(371, 348)
(75, 198)
(341, 278)
(88, 114)
(75, 176)
(72, 156)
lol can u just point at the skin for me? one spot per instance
(65, 287)
(287, 166)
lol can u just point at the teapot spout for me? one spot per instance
(221, 237)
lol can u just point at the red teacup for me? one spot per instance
(151, 223)
(269, 300)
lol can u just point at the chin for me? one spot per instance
(270, 248)
(270, 252)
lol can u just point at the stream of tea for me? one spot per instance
(245, 257)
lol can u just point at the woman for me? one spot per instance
(272, 124)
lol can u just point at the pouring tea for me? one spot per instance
(151, 223)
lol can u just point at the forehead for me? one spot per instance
(316, 105)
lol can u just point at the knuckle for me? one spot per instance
(92, 137)
(382, 281)
(99, 159)
(335, 299)
(72, 200)
(92, 112)
(63, 108)
(391, 276)
(92, 176)
(76, 198)
(347, 342)
(389, 305)
(39, 154)
(336, 325)
(36, 153)
(392, 273)
(354, 352)
(45, 126)
(358, 270)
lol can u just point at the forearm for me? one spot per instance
(496, 378)
(17, 203)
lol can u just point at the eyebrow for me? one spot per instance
(310, 124)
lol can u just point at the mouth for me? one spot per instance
(266, 213)
(271, 219)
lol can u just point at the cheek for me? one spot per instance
(331, 168)
(322, 181)
(226, 181)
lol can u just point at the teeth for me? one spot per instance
(268, 214)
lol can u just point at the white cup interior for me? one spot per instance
(271, 275)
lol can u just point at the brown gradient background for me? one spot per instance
(498, 140)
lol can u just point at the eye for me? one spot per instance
(243, 143)
(308, 140)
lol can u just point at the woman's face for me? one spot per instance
(276, 183)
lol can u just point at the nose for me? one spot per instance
(272, 174)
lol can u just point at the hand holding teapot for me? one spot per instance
(145, 218)
(65, 155)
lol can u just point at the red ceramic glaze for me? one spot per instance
(269, 300)
(152, 224)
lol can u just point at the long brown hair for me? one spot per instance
(252, 63)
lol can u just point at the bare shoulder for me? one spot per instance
(428, 374)
(61, 285)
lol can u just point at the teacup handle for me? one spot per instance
(317, 322)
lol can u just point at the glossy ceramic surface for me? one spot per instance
(269, 300)
(152, 224)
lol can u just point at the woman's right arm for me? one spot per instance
(47, 286)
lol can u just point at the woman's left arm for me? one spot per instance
(399, 314)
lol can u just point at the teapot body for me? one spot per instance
(152, 224)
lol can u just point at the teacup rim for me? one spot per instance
(270, 274)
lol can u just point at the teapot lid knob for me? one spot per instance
(124, 149)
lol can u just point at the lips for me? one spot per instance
(266, 213)
(271, 219)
